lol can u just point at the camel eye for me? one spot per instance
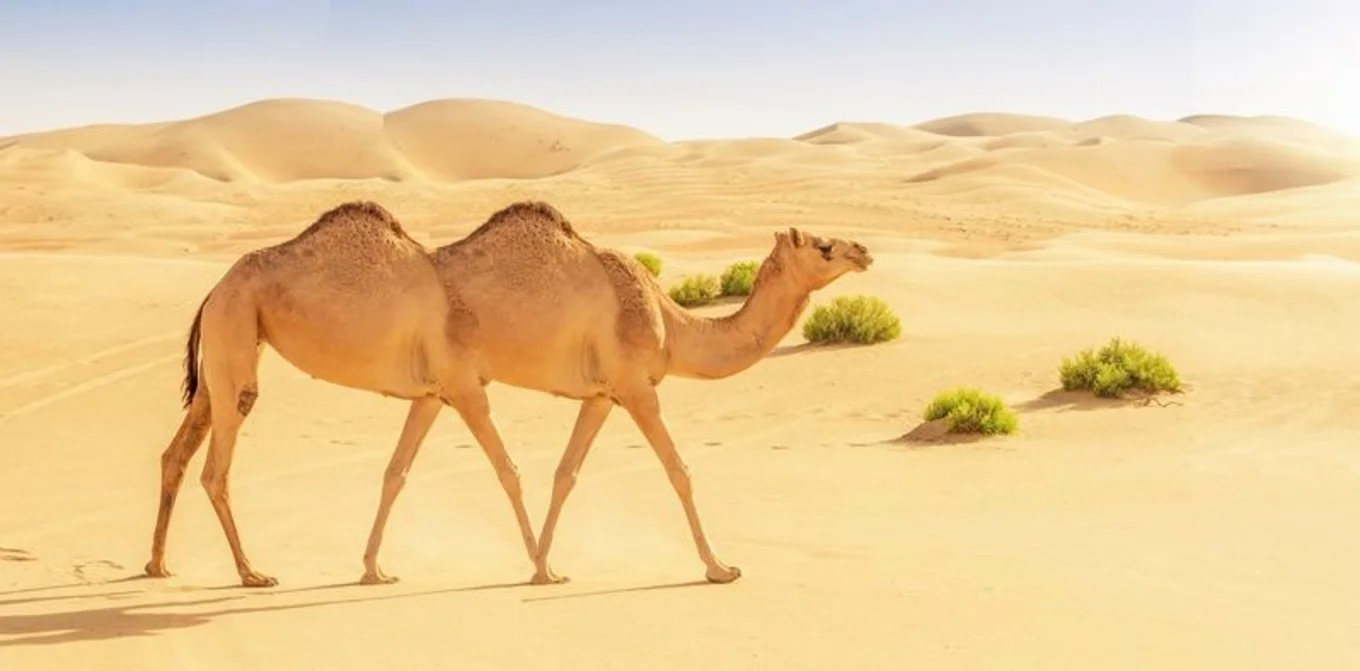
(825, 249)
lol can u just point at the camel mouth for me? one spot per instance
(859, 256)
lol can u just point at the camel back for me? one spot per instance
(526, 212)
(356, 213)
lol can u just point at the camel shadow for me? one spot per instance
(44, 588)
(42, 599)
(133, 619)
(95, 624)
(356, 583)
(617, 590)
(148, 618)
(69, 585)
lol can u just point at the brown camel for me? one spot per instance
(523, 300)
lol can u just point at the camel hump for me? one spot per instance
(527, 214)
(356, 216)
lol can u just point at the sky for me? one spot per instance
(685, 70)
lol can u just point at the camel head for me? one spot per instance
(817, 260)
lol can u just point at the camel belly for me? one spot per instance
(386, 346)
(556, 357)
(558, 377)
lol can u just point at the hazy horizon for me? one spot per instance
(698, 70)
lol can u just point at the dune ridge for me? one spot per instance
(983, 182)
(447, 141)
(286, 140)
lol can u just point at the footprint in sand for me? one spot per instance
(81, 569)
(15, 554)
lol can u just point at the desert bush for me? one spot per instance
(739, 277)
(970, 410)
(650, 261)
(1116, 369)
(696, 290)
(852, 319)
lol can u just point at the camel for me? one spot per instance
(522, 300)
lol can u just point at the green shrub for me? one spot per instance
(972, 410)
(650, 261)
(739, 277)
(1116, 369)
(852, 319)
(695, 290)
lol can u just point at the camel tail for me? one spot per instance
(191, 355)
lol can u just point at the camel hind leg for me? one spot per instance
(229, 366)
(192, 431)
(419, 419)
(470, 401)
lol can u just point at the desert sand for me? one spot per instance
(1215, 532)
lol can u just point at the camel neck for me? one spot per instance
(710, 348)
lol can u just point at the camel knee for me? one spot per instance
(509, 474)
(194, 435)
(172, 459)
(394, 479)
(185, 444)
(678, 470)
(565, 478)
(679, 476)
(173, 464)
(215, 483)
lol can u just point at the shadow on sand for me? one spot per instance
(618, 590)
(936, 432)
(143, 618)
(788, 350)
(1059, 400)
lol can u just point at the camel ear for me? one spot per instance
(797, 237)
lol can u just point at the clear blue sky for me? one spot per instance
(686, 70)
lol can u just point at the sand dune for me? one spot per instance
(1158, 173)
(850, 133)
(1117, 164)
(287, 140)
(991, 124)
(1213, 532)
(455, 140)
(1129, 127)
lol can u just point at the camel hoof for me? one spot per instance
(156, 569)
(722, 574)
(548, 578)
(378, 578)
(254, 579)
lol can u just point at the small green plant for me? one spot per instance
(970, 410)
(852, 319)
(1116, 369)
(695, 290)
(650, 261)
(739, 277)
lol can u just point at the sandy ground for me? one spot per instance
(1215, 532)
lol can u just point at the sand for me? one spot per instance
(1217, 531)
